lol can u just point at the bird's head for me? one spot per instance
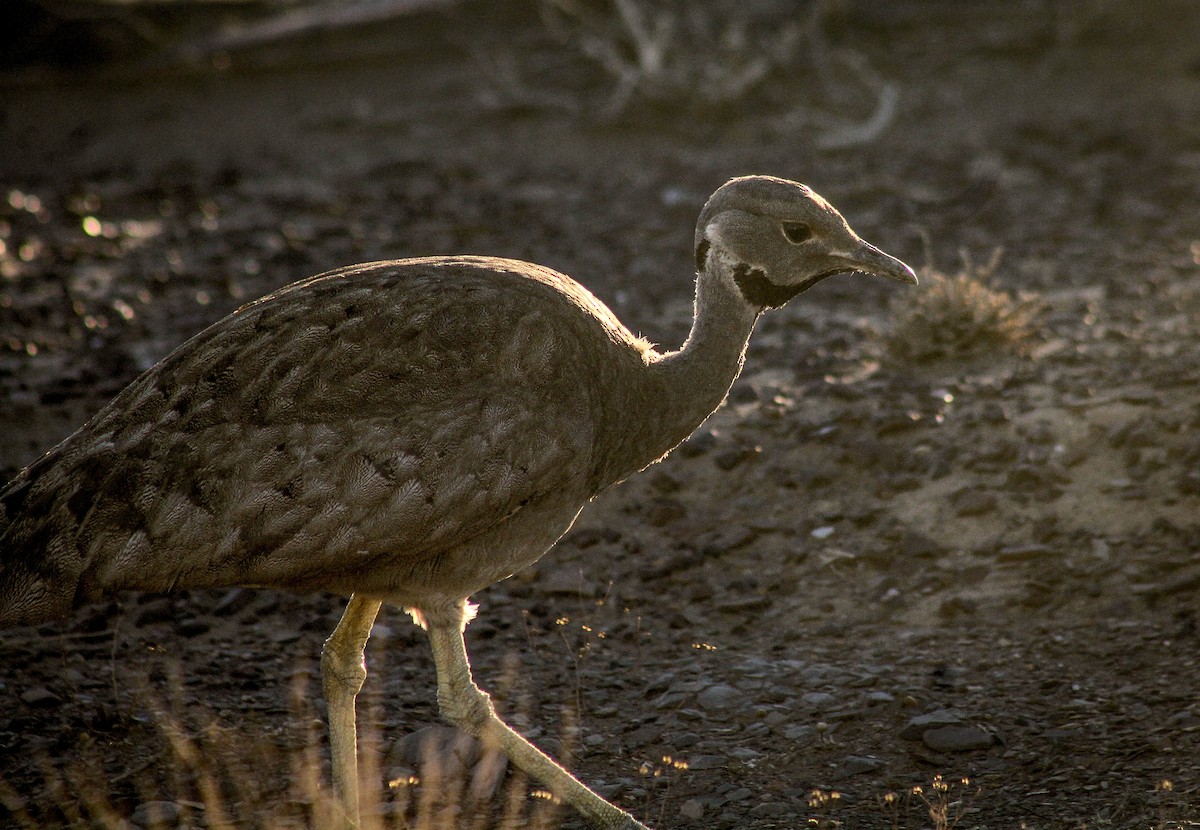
(777, 238)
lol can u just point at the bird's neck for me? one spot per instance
(689, 384)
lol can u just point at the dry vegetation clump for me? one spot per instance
(675, 52)
(959, 317)
(675, 55)
(225, 777)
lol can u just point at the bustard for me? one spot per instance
(406, 432)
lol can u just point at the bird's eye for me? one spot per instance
(797, 232)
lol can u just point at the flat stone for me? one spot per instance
(719, 696)
(39, 696)
(801, 733)
(771, 809)
(973, 502)
(233, 601)
(157, 813)
(692, 809)
(916, 728)
(957, 738)
(819, 700)
(859, 764)
(702, 762)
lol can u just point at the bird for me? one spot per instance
(409, 432)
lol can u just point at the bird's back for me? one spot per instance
(348, 432)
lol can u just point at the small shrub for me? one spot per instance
(960, 317)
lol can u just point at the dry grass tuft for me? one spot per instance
(959, 317)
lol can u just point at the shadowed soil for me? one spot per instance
(1008, 545)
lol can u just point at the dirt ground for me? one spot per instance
(861, 574)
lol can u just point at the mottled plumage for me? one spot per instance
(352, 432)
(407, 431)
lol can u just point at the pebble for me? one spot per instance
(455, 756)
(801, 733)
(819, 700)
(566, 580)
(192, 627)
(743, 753)
(719, 696)
(692, 809)
(859, 764)
(1187, 719)
(1025, 553)
(157, 814)
(957, 738)
(973, 502)
(737, 795)
(39, 696)
(703, 762)
(771, 809)
(916, 728)
(157, 610)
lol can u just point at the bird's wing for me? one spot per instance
(395, 414)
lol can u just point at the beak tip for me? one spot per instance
(874, 261)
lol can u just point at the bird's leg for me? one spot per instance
(469, 708)
(343, 670)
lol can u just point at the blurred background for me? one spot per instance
(946, 538)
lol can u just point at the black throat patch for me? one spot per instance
(760, 291)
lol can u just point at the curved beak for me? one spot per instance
(870, 260)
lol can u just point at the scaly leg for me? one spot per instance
(343, 670)
(469, 708)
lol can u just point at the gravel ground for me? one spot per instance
(868, 572)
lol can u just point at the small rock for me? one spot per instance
(703, 762)
(819, 700)
(692, 809)
(698, 444)
(743, 392)
(916, 728)
(729, 459)
(192, 627)
(802, 733)
(663, 511)
(664, 483)
(447, 754)
(859, 764)
(453, 752)
(743, 753)
(770, 809)
(233, 601)
(727, 538)
(39, 696)
(1187, 719)
(283, 635)
(957, 738)
(157, 814)
(774, 718)
(719, 696)
(566, 580)
(1025, 553)
(973, 502)
(156, 610)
